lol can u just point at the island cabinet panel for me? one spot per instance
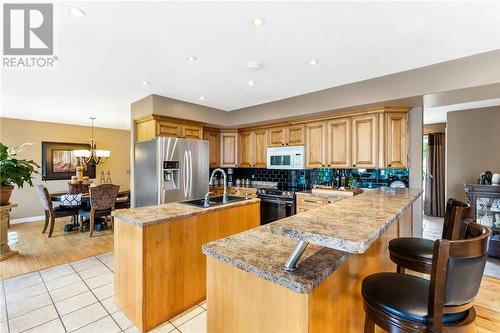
(277, 136)
(160, 270)
(396, 140)
(228, 149)
(365, 141)
(212, 136)
(339, 143)
(244, 302)
(316, 145)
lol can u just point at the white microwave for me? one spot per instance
(286, 157)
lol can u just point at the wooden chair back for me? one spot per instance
(103, 197)
(44, 196)
(457, 269)
(451, 225)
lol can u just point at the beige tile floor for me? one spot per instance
(76, 297)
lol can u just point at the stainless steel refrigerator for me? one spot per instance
(170, 170)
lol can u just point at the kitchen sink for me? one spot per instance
(213, 201)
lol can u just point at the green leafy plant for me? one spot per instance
(13, 170)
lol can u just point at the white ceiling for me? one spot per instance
(104, 56)
(439, 114)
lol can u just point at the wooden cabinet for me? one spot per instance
(316, 145)
(293, 135)
(277, 136)
(191, 131)
(365, 140)
(253, 146)
(306, 201)
(247, 149)
(396, 140)
(339, 143)
(229, 149)
(260, 160)
(212, 136)
(151, 126)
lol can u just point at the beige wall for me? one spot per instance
(14, 132)
(472, 147)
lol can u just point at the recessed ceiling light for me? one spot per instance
(251, 83)
(313, 62)
(257, 22)
(145, 83)
(76, 12)
(202, 98)
(191, 58)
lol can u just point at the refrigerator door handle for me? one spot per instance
(185, 176)
(190, 174)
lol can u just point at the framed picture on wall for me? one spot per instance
(59, 161)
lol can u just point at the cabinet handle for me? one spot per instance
(389, 165)
(354, 165)
(329, 165)
(313, 201)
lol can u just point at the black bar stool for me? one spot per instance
(416, 253)
(405, 303)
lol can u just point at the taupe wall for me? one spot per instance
(472, 147)
(14, 132)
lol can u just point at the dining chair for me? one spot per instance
(405, 303)
(102, 203)
(416, 253)
(51, 212)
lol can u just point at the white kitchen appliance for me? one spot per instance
(286, 157)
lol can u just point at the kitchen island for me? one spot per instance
(160, 270)
(347, 241)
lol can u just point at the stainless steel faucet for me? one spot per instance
(211, 182)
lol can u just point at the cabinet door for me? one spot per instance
(365, 141)
(315, 145)
(277, 136)
(260, 151)
(396, 155)
(229, 149)
(295, 135)
(339, 143)
(189, 131)
(168, 128)
(247, 148)
(213, 147)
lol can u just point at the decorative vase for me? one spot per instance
(5, 193)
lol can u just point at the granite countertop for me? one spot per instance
(260, 252)
(144, 216)
(326, 194)
(349, 225)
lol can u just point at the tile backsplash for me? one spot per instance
(364, 178)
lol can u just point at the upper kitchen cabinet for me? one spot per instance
(228, 149)
(396, 140)
(292, 135)
(277, 136)
(247, 149)
(212, 136)
(253, 146)
(365, 141)
(315, 145)
(338, 143)
(151, 126)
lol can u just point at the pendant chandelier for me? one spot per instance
(93, 156)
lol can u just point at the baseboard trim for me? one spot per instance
(28, 219)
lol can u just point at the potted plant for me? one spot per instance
(14, 171)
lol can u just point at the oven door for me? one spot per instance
(273, 209)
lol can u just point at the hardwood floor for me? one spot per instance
(37, 251)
